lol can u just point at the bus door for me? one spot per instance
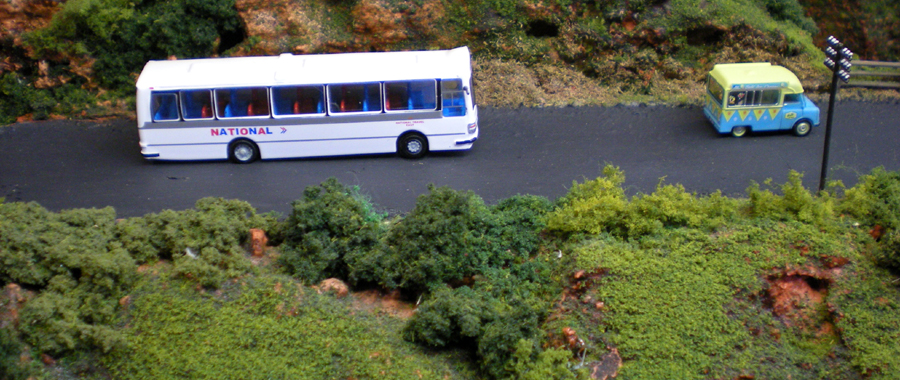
(453, 97)
(792, 110)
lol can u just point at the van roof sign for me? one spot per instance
(756, 75)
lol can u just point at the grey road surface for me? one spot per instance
(82, 164)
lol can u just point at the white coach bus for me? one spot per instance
(249, 108)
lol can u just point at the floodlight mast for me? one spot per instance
(837, 59)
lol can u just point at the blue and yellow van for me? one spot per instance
(745, 97)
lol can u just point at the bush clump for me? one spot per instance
(875, 201)
(600, 206)
(81, 271)
(205, 243)
(331, 225)
(123, 35)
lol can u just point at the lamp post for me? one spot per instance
(838, 60)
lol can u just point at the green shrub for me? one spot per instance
(550, 364)
(12, 367)
(443, 238)
(592, 207)
(330, 225)
(491, 326)
(797, 203)
(875, 199)
(18, 97)
(122, 36)
(72, 257)
(520, 219)
(205, 243)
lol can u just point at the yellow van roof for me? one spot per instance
(755, 75)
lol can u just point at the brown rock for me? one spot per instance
(47, 359)
(607, 367)
(11, 301)
(339, 288)
(258, 241)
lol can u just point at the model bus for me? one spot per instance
(249, 108)
(745, 97)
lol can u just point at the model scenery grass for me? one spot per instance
(780, 284)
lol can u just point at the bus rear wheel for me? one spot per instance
(802, 128)
(739, 131)
(243, 151)
(412, 145)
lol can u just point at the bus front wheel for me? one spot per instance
(243, 151)
(802, 128)
(739, 131)
(412, 145)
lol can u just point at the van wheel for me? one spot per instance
(243, 151)
(739, 131)
(412, 145)
(802, 128)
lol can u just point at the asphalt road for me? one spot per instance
(80, 164)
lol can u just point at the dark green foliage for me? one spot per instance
(82, 271)
(329, 226)
(791, 11)
(122, 36)
(18, 97)
(205, 243)
(529, 363)
(442, 239)
(451, 235)
(478, 318)
(875, 202)
(520, 219)
(11, 365)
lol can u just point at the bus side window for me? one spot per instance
(453, 99)
(196, 104)
(242, 102)
(356, 97)
(410, 95)
(298, 100)
(164, 106)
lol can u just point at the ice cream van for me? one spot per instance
(756, 97)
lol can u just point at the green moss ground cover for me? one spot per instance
(780, 284)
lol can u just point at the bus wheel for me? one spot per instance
(243, 151)
(412, 145)
(802, 128)
(739, 131)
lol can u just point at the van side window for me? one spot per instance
(298, 100)
(355, 97)
(196, 104)
(754, 98)
(242, 102)
(791, 98)
(453, 99)
(164, 106)
(410, 95)
(769, 97)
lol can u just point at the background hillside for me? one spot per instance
(80, 58)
